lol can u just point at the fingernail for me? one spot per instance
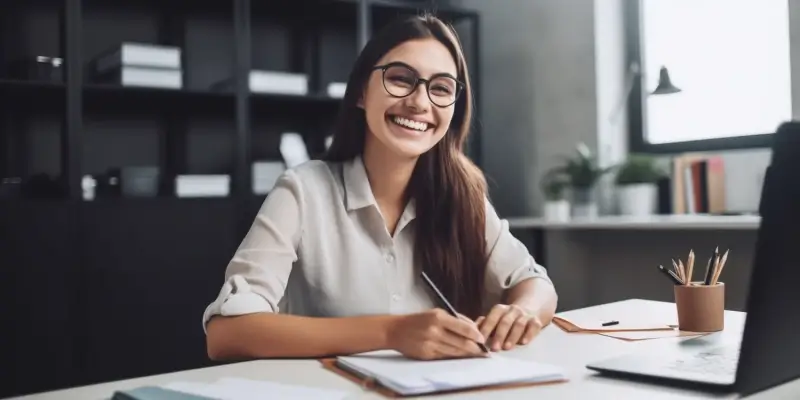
(508, 345)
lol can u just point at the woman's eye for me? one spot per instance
(443, 90)
(401, 80)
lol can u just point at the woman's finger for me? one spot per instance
(490, 322)
(448, 350)
(518, 328)
(533, 328)
(503, 328)
(464, 346)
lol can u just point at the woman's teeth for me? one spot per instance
(416, 125)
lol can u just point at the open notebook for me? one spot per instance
(404, 376)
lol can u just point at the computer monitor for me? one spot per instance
(770, 350)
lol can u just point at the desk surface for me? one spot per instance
(662, 222)
(571, 351)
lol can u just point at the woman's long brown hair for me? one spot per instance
(448, 189)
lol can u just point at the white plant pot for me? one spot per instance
(556, 210)
(640, 199)
(585, 210)
(584, 204)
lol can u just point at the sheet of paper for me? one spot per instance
(247, 389)
(411, 376)
(595, 323)
(647, 335)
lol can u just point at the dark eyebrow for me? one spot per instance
(417, 72)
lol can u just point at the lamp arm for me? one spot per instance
(633, 73)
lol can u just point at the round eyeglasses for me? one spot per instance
(400, 80)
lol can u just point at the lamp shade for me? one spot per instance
(665, 85)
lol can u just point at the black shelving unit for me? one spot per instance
(220, 40)
(122, 282)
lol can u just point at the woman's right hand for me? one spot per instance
(435, 334)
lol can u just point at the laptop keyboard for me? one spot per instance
(719, 361)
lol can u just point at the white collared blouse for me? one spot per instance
(319, 247)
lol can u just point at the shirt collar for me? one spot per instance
(358, 193)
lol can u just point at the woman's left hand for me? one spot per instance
(508, 325)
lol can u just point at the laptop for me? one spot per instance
(767, 354)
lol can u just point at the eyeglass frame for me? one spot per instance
(418, 79)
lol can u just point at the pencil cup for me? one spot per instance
(701, 308)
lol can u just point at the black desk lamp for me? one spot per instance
(665, 85)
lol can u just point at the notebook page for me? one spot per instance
(411, 376)
(500, 370)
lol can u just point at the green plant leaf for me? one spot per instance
(639, 169)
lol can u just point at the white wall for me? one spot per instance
(552, 73)
(538, 88)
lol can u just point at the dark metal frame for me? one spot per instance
(171, 154)
(637, 106)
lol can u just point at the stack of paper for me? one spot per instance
(600, 323)
(632, 328)
(246, 389)
(410, 377)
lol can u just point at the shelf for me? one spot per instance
(310, 98)
(293, 105)
(388, 8)
(119, 99)
(298, 11)
(32, 93)
(166, 5)
(654, 222)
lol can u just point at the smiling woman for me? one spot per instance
(331, 264)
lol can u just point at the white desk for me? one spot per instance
(572, 351)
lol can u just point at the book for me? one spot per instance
(229, 388)
(404, 376)
(156, 393)
(131, 54)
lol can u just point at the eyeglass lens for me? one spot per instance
(401, 81)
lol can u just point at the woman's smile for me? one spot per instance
(408, 125)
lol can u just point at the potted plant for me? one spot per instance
(583, 173)
(554, 185)
(637, 185)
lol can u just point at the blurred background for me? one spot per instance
(139, 138)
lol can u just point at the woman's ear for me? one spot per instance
(360, 102)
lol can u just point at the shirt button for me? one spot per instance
(389, 258)
(396, 297)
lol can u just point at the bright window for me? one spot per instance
(730, 58)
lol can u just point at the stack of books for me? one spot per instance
(140, 64)
(271, 82)
(202, 185)
(698, 184)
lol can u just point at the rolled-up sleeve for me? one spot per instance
(510, 262)
(256, 277)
